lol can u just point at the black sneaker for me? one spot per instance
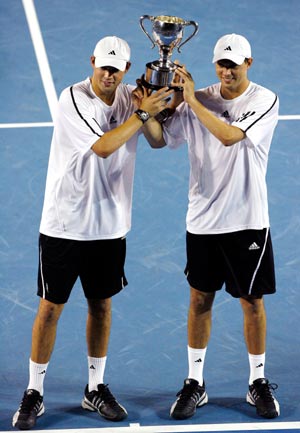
(191, 396)
(30, 408)
(260, 395)
(104, 403)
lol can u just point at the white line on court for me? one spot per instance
(50, 124)
(41, 54)
(137, 428)
(289, 117)
(26, 125)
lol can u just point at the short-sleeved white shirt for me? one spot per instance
(88, 197)
(227, 187)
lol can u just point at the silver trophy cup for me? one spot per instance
(167, 32)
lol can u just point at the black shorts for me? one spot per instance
(241, 260)
(99, 265)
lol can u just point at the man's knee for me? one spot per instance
(253, 306)
(48, 312)
(201, 302)
(98, 308)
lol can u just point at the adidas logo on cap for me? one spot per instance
(232, 47)
(112, 51)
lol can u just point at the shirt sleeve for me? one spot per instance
(76, 119)
(260, 118)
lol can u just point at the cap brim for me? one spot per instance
(229, 56)
(110, 61)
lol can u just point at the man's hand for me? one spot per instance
(138, 93)
(186, 82)
(150, 101)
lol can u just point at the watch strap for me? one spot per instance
(142, 115)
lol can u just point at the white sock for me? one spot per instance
(257, 367)
(96, 372)
(196, 359)
(37, 373)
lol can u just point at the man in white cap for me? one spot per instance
(228, 128)
(86, 216)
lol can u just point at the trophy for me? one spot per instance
(167, 34)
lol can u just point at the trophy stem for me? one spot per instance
(165, 54)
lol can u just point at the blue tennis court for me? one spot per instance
(45, 46)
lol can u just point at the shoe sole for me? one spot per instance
(87, 405)
(22, 425)
(250, 400)
(202, 402)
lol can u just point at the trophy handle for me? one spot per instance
(151, 18)
(188, 23)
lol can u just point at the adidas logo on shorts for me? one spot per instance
(254, 246)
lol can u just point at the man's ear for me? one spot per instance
(249, 61)
(128, 64)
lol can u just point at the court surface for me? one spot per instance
(45, 46)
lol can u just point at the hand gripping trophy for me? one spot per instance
(167, 34)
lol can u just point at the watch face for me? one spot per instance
(144, 115)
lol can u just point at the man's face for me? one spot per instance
(231, 75)
(106, 79)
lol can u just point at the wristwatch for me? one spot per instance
(142, 115)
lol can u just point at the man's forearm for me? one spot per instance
(153, 132)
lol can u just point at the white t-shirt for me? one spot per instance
(88, 197)
(227, 188)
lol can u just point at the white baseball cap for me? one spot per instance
(112, 51)
(232, 47)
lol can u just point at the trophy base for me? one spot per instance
(157, 77)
